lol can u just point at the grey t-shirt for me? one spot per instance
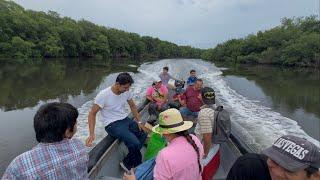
(165, 78)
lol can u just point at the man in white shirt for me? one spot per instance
(111, 104)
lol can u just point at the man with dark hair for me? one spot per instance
(165, 76)
(111, 104)
(57, 156)
(289, 158)
(192, 78)
(192, 99)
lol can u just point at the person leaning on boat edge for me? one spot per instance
(289, 158)
(111, 104)
(57, 156)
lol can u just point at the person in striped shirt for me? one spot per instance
(204, 131)
(57, 156)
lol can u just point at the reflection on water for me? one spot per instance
(25, 86)
(294, 93)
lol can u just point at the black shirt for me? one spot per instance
(250, 167)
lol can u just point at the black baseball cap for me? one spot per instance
(208, 95)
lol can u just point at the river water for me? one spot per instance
(265, 102)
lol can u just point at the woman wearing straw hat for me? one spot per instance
(180, 160)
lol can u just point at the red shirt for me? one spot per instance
(192, 98)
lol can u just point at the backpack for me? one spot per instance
(222, 125)
(145, 170)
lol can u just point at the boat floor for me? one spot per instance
(112, 170)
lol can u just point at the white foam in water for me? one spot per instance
(258, 126)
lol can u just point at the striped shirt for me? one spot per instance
(66, 159)
(205, 121)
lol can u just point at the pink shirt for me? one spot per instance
(178, 161)
(152, 92)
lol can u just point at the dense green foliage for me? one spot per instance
(296, 42)
(26, 33)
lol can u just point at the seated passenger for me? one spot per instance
(204, 130)
(180, 160)
(57, 156)
(177, 99)
(193, 101)
(111, 102)
(158, 95)
(289, 158)
(192, 78)
(165, 76)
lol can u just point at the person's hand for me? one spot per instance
(141, 127)
(204, 156)
(90, 139)
(129, 176)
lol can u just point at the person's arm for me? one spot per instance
(150, 98)
(149, 95)
(165, 92)
(175, 98)
(92, 123)
(188, 80)
(183, 100)
(207, 143)
(136, 114)
(134, 110)
(130, 176)
(165, 97)
(171, 77)
(205, 123)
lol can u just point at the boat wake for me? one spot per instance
(258, 126)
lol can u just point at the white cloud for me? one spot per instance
(200, 23)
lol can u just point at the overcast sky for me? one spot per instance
(199, 23)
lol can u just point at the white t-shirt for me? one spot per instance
(112, 105)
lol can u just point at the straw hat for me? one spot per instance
(170, 121)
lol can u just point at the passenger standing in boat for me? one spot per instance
(180, 160)
(111, 104)
(204, 130)
(193, 100)
(289, 158)
(192, 78)
(165, 76)
(57, 156)
(157, 94)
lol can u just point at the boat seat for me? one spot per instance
(108, 178)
